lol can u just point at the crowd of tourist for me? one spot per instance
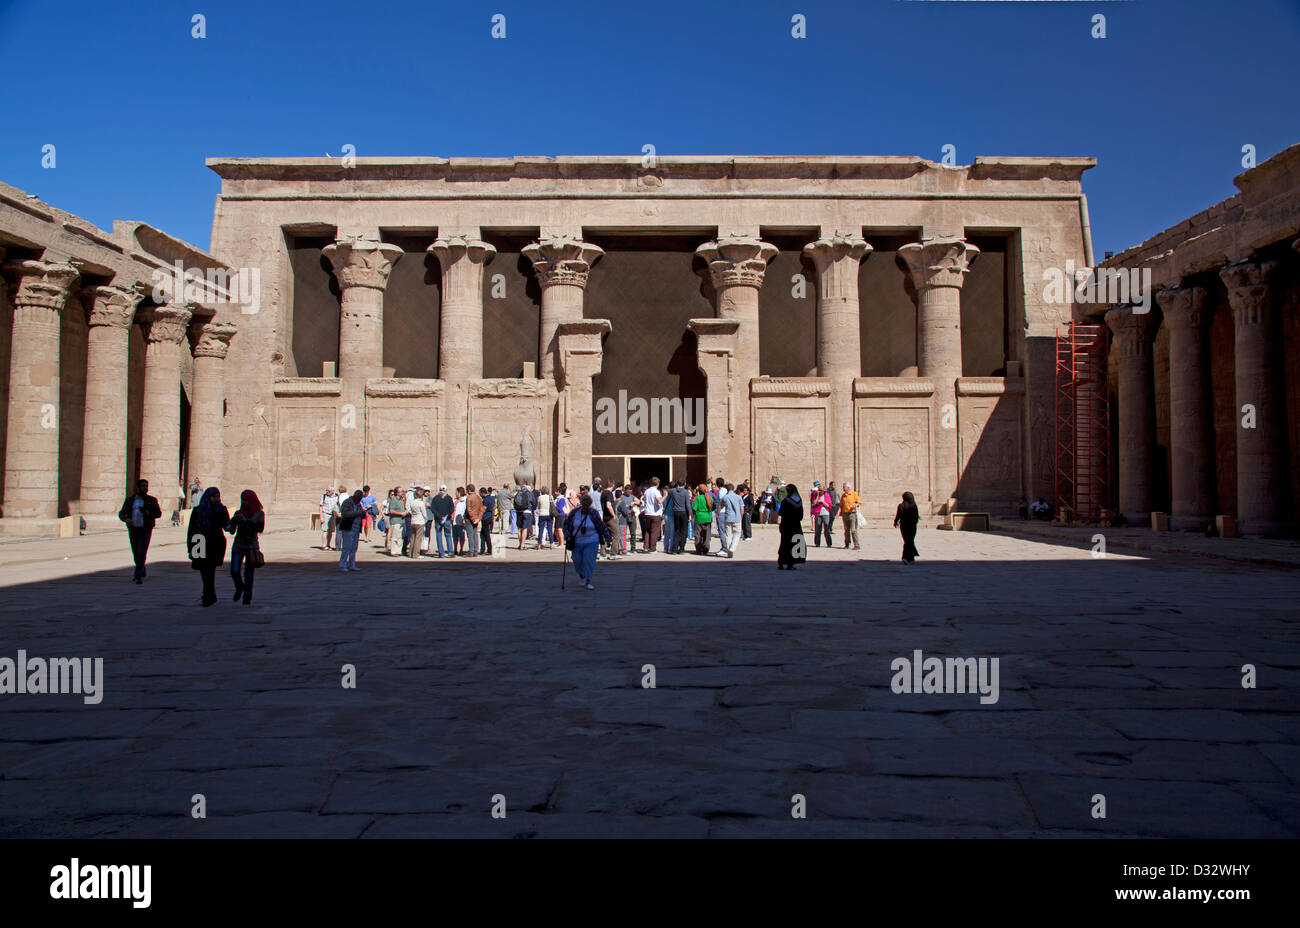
(600, 521)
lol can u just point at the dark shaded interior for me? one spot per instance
(316, 297)
(649, 290)
(887, 309)
(412, 305)
(984, 334)
(512, 305)
(787, 308)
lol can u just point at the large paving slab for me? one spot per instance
(480, 684)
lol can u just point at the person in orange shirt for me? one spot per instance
(849, 504)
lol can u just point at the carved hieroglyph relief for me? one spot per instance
(790, 441)
(401, 446)
(304, 453)
(496, 430)
(990, 449)
(893, 456)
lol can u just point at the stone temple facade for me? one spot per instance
(393, 321)
(869, 319)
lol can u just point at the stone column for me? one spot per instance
(839, 347)
(41, 290)
(207, 414)
(736, 265)
(1262, 481)
(104, 474)
(160, 452)
(717, 341)
(562, 264)
(1134, 333)
(460, 341)
(362, 269)
(938, 269)
(1191, 413)
(579, 356)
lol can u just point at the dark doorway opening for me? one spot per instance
(642, 469)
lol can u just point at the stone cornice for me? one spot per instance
(508, 387)
(893, 386)
(404, 387)
(990, 386)
(308, 386)
(790, 386)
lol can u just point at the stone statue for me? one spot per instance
(525, 473)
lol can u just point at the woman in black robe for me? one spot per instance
(792, 549)
(906, 518)
(205, 542)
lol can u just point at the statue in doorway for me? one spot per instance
(525, 473)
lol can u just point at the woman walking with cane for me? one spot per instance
(584, 530)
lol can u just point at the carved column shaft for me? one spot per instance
(1137, 415)
(839, 347)
(1191, 426)
(737, 265)
(362, 269)
(161, 428)
(207, 417)
(41, 291)
(1262, 484)
(104, 474)
(938, 268)
(460, 339)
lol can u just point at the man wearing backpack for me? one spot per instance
(525, 503)
(350, 514)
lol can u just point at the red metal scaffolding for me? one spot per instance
(1082, 424)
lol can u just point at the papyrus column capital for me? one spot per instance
(1134, 331)
(1250, 290)
(461, 248)
(938, 262)
(111, 306)
(42, 286)
(362, 263)
(168, 323)
(1183, 307)
(213, 340)
(737, 260)
(562, 259)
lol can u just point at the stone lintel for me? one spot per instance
(790, 386)
(990, 386)
(404, 386)
(308, 386)
(893, 386)
(508, 387)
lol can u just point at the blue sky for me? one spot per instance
(134, 104)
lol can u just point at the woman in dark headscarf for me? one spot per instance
(790, 513)
(247, 523)
(906, 518)
(205, 543)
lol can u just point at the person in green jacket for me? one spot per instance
(703, 508)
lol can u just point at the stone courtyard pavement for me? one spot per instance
(1119, 676)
